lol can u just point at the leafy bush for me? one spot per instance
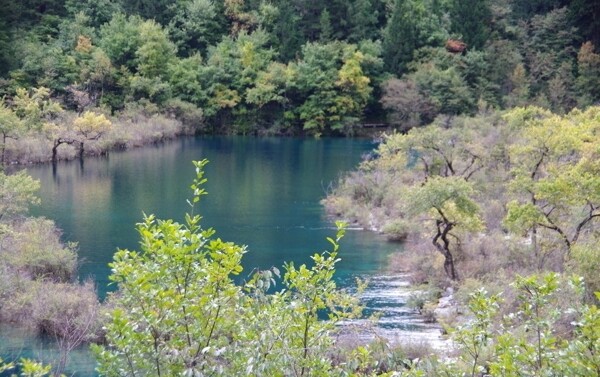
(396, 230)
(179, 311)
(35, 249)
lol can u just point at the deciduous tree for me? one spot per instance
(179, 310)
(555, 177)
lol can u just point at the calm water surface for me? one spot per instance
(263, 193)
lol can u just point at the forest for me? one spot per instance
(489, 175)
(288, 66)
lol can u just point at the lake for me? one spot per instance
(262, 192)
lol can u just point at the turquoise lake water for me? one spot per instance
(262, 192)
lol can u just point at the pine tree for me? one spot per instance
(363, 21)
(471, 20)
(287, 30)
(325, 29)
(400, 37)
(588, 81)
(586, 15)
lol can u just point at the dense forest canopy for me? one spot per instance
(302, 66)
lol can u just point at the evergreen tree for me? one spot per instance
(286, 30)
(326, 32)
(339, 14)
(471, 20)
(195, 26)
(412, 24)
(525, 9)
(363, 20)
(588, 81)
(586, 15)
(310, 12)
(400, 37)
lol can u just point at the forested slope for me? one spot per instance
(302, 66)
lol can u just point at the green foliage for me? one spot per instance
(330, 87)
(195, 26)
(325, 29)
(548, 50)
(44, 64)
(98, 12)
(155, 51)
(91, 126)
(581, 357)
(179, 310)
(471, 20)
(585, 257)
(115, 53)
(588, 64)
(33, 247)
(286, 31)
(17, 193)
(555, 180)
(535, 170)
(28, 368)
(363, 20)
(451, 193)
(584, 14)
(445, 89)
(535, 350)
(11, 126)
(119, 39)
(474, 338)
(411, 25)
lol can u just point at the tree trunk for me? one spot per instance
(449, 266)
(55, 150)
(443, 229)
(81, 149)
(3, 149)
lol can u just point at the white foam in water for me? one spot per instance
(385, 297)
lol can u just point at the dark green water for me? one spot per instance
(263, 192)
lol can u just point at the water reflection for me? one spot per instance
(263, 192)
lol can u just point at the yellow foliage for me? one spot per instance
(92, 125)
(84, 44)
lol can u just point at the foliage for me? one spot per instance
(530, 176)
(407, 107)
(330, 87)
(17, 193)
(449, 205)
(179, 310)
(412, 25)
(556, 176)
(28, 368)
(526, 342)
(113, 53)
(475, 336)
(588, 63)
(33, 248)
(36, 287)
(471, 20)
(11, 126)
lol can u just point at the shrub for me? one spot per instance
(36, 250)
(189, 114)
(585, 262)
(179, 311)
(66, 311)
(396, 230)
